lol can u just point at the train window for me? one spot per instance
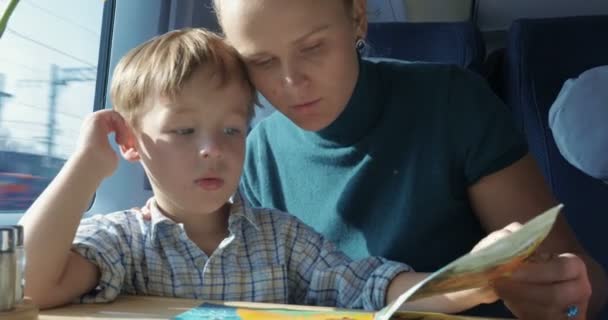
(49, 55)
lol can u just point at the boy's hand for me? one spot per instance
(93, 144)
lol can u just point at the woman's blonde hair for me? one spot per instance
(348, 4)
(160, 66)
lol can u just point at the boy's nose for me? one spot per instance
(210, 150)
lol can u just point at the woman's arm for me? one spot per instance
(517, 194)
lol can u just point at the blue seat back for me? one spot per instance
(458, 43)
(541, 55)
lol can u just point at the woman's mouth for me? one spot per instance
(306, 105)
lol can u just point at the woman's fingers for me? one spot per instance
(546, 289)
(546, 295)
(543, 269)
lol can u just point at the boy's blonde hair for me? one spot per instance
(161, 65)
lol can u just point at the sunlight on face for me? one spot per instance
(300, 54)
(192, 146)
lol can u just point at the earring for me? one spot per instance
(360, 44)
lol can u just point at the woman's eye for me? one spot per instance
(183, 132)
(231, 131)
(263, 62)
(311, 49)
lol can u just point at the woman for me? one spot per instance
(413, 162)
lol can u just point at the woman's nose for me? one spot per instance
(293, 77)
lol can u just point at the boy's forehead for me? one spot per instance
(233, 96)
(214, 76)
(221, 84)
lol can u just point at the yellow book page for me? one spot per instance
(244, 311)
(252, 314)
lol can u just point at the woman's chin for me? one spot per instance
(311, 123)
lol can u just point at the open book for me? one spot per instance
(473, 270)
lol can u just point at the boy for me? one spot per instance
(182, 104)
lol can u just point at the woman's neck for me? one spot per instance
(359, 116)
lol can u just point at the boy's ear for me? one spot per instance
(128, 149)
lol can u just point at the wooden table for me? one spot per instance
(125, 307)
(140, 307)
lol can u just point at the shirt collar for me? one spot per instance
(240, 210)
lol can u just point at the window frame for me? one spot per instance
(105, 51)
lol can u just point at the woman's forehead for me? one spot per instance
(249, 7)
(253, 23)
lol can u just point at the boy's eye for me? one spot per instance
(183, 132)
(231, 131)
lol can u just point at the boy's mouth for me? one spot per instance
(209, 184)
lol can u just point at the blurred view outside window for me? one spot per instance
(48, 68)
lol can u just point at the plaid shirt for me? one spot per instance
(269, 256)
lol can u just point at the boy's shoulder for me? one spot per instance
(124, 221)
(279, 223)
(263, 215)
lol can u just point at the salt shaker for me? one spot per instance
(8, 268)
(20, 258)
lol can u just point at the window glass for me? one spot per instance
(48, 67)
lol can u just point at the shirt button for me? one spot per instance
(200, 263)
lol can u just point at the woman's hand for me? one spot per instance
(547, 286)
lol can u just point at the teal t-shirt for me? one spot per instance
(390, 176)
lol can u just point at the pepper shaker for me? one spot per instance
(20, 260)
(8, 268)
